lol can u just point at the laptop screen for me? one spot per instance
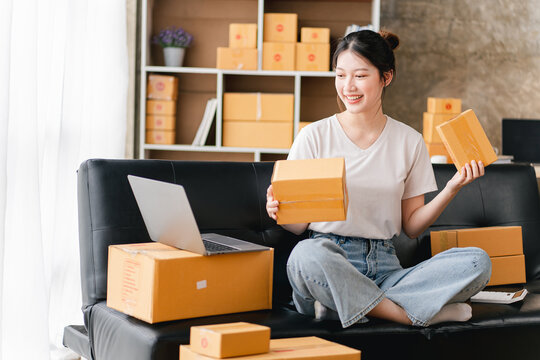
(521, 138)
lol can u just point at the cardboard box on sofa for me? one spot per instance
(430, 122)
(280, 27)
(161, 107)
(443, 105)
(310, 190)
(243, 36)
(258, 106)
(162, 87)
(278, 56)
(301, 348)
(155, 282)
(258, 134)
(314, 35)
(507, 270)
(160, 122)
(465, 140)
(162, 137)
(495, 240)
(312, 57)
(228, 340)
(236, 58)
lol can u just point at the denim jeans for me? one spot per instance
(351, 275)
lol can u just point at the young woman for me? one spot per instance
(349, 269)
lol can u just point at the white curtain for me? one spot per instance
(63, 89)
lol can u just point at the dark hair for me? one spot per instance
(378, 48)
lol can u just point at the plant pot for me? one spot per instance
(174, 56)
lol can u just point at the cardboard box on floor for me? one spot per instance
(258, 106)
(155, 282)
(229, 340)
(310, 190)
(465, 140)
(303, 348)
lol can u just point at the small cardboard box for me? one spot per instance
(431, 121)
(280, 27)
(155, 282)
(302, 348)
(162, 87)
(315, 35)
(438, 149)
(258, 134)
(443, 105)
(258, 107)
(228, 340)
(465, 140)
(495, 240)
(162, 137)
(303, 124)
(161, 107)
(310, 190)
(312, 57)
(236, 59)
(507, 270)
(243, 36)
(278, 56)
(160, 122)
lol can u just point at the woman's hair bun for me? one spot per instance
(391, 39)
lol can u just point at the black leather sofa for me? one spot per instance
(229, 198)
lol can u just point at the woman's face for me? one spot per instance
(358, 83)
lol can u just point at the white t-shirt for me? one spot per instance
(395, 167)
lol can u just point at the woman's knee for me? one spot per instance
(310, 251)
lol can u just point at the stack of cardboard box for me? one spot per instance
(250, 341)
(258, 120)
(242, 51)
(279, 41)
(439, 110)
(313, 50)
(162, 91)
(504, 245)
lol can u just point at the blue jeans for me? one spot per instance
(351, 275)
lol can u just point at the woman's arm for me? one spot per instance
(417, 217)
(272, 206)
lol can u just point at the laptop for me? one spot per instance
(169, 220)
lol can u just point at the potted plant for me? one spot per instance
(174, 41)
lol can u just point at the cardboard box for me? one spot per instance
(160, 122)
(155, 282)
(431, 121)
(243, 36)
(443, 105)
(303, 124)
(278, 56)
(236, 59)
(280, 27)
(302, 348)
(162, 137)
(258, 107)
(465, 140)
(258, 134)
(438, 149)
(161, 107)
(312, 57)
(507, 270)
(495, 240)
(228, 340)
(162, 87)
(310, 190)
(315, 35)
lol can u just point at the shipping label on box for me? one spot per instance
(312, 57)
(162, 137)
(465, 140)
(495, 240)
(302, 348)
(258, 134)
(279, 56)
(280, 27)
(315, 35)
(258, 107)
(162, 87)
(155, 282)
(236, 58)
(443, 105)
(507, 270)
(160, 122)
(431, 121)
(310, 190)
(435, 149)
(228, 340)
(161, 107)
(243, 36)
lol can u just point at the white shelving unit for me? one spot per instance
(297, 76)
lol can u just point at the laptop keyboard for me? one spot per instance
(213, 247)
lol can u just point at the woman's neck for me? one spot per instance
(368, 121)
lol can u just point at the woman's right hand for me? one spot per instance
(272, 205)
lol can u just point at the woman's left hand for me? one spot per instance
(468, 174)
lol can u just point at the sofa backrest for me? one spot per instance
(230, 197)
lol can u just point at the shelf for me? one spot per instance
(197, 70)
(215, 149)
